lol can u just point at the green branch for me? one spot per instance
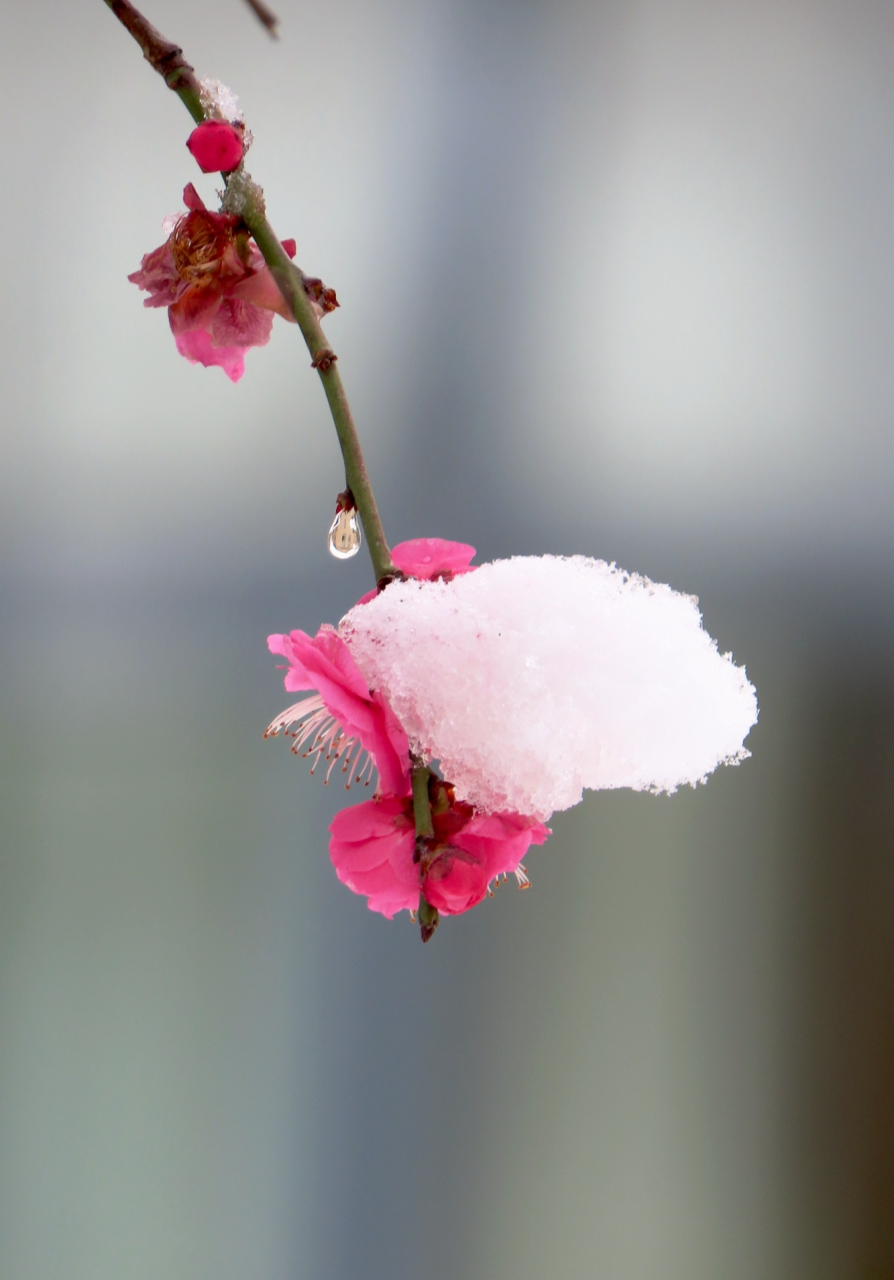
(427, 915)
(421, 804)
(290, 281)
(167, 59)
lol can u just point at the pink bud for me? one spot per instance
(217, 146)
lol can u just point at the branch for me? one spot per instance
(162, 55)
(421, 804)
(291, 285)
(167, 59)
(265, 16)
(427, 915)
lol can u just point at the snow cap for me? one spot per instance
(535, 677)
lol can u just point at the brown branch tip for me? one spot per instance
(265, 16)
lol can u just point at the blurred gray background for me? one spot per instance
(615, 279)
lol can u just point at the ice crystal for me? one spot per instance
(218, 101)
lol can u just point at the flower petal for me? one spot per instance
(500, 840)
(196, 346)
(192, 199)
(455, 884)
(325, 664)
(433, 558)
(238, 323)
(262, 290)
(372, 851)
(194, 309)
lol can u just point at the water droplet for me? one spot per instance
(344, 535)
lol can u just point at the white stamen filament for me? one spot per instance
(319, 732)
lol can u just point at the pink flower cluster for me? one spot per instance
(219, 292)
(374, 851)
(374, 847)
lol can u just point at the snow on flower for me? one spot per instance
(374, 848)
(526, 680)
(535, 677)
(217, 146)
(343, 722)
(220, 294)
(375, 852)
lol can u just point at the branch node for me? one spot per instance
(323, 359)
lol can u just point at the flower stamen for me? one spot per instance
(322, 737)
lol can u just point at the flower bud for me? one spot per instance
(217, 146)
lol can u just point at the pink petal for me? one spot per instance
(395, 898)
(192, 199)
(372, 852)
(429, 558)
(262, 290)
(500, 840)
(196, 346)
(432, 557)
(370, 820)
(194, 309)
(159, 277)
(323, 657)
(239, 324)
(324, 663)
(216, 146)
(462, 887)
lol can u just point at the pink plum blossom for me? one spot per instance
(374, 852)
(429, 559)
(344, 721)
(374, 848)
(217, 146)
(220, 294)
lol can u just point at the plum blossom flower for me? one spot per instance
(343, 722)
(375, 852)
(219, 292)
(429, 559)
(217, 146)
(433, 558)
(374, 848)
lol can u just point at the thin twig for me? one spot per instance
(265, 16)
(163, 56)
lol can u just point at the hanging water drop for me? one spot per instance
(344, 534)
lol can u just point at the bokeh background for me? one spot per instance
(617, 278)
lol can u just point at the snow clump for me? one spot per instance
(218, 101)
(532, 678)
